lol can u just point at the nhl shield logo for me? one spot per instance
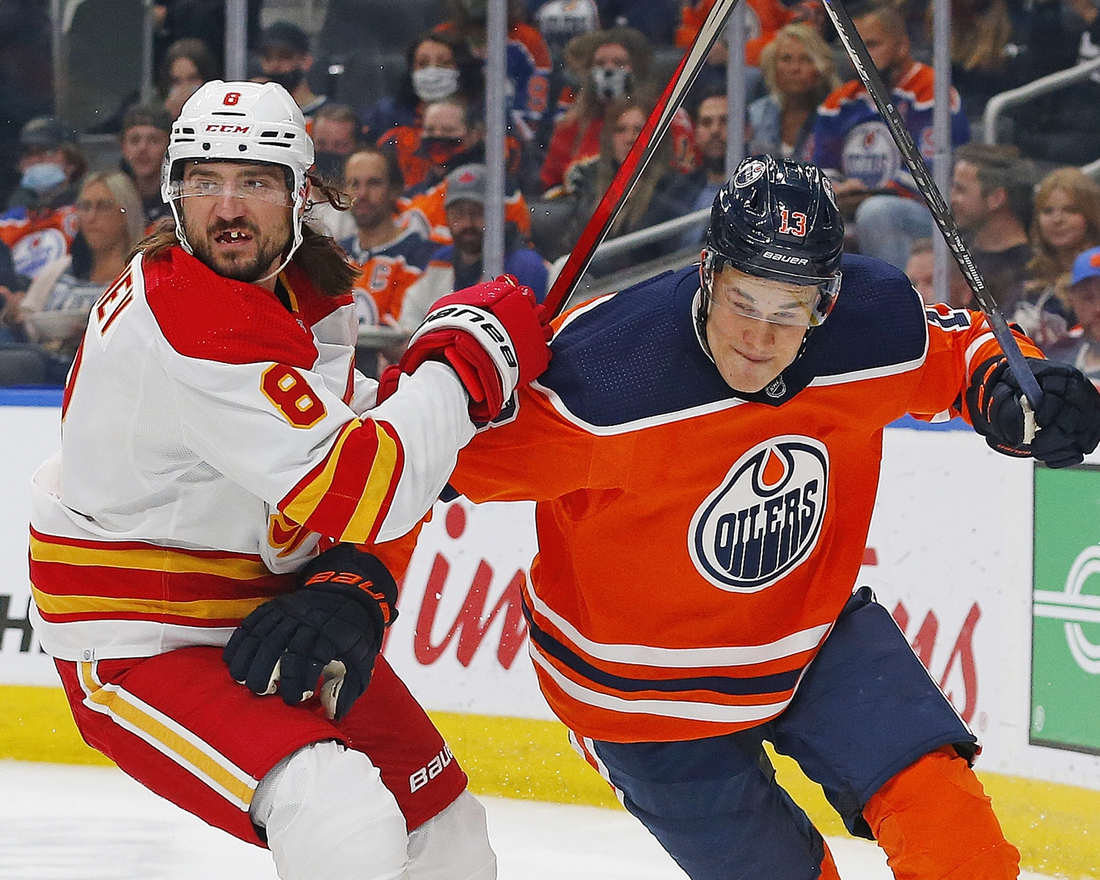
(765, 518)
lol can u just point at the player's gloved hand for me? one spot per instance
(337, 615)
(1067, 422)
(494, 335)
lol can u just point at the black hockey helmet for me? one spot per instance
(778, 219)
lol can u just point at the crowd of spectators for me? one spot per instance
(582, 76)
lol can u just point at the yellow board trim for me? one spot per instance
(1055, 826)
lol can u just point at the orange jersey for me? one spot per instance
(36, 238)
(387, 272)
(427, 210)
(696, 545)
(765, 18)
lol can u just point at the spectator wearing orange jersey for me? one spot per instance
(439, 65)
(390, 255)
(453, 136)
(763, 20)
(40, 222)
(459, 265)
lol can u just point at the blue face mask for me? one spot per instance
(42, 176)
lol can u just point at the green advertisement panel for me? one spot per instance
(1065, 635)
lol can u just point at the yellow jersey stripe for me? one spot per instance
(204, 609)
(360, 528)
(187, 751)
(151, 559)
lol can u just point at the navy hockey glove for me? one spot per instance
(337, 615)
(494, 335)
(1067, 422)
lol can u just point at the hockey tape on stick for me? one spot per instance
(636, 160)
(941, 213)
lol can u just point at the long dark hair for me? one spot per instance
(319, 256)
(471, 76)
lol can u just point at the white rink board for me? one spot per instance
(949, 553)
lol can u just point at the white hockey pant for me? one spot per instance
(329, 817)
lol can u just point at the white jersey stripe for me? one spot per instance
(168, 737)
(693, 711)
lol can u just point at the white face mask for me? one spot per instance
(435, 83)
(611, 83)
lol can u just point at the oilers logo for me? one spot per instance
(765, 518)
(869, 154)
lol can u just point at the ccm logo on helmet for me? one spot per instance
(785, 258)
(765, 519)
(224, 128)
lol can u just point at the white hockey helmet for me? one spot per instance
(243, 122)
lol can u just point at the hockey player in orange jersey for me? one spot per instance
(704, 453)
(193, 545)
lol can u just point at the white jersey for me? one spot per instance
(213, 439)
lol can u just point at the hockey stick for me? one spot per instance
(636, 160)
(941, 213)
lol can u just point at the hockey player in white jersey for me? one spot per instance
(220, 459)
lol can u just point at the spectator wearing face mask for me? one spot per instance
(454, 136)
(285, 59)
(337, 133)
(527, 59)
(617, 67)
(40, 222)
(438, 66)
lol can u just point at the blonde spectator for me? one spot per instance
(110, 222)
(799, 72)
(1065, 223)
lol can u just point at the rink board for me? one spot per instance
(968, 549)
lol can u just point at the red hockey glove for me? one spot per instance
(494, 335)
(330, 627)
(1067, 423)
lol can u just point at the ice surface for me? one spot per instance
(94, 823)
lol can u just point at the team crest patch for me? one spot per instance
(749, 173)
(765, 518)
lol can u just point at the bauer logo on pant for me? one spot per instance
(765, 518)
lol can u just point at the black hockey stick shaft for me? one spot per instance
(580, 257)
(941, 212)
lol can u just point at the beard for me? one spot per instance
(241, 265)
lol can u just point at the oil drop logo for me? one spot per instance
(765, 518)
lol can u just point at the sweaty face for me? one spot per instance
(237, 217)
(755, 327)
